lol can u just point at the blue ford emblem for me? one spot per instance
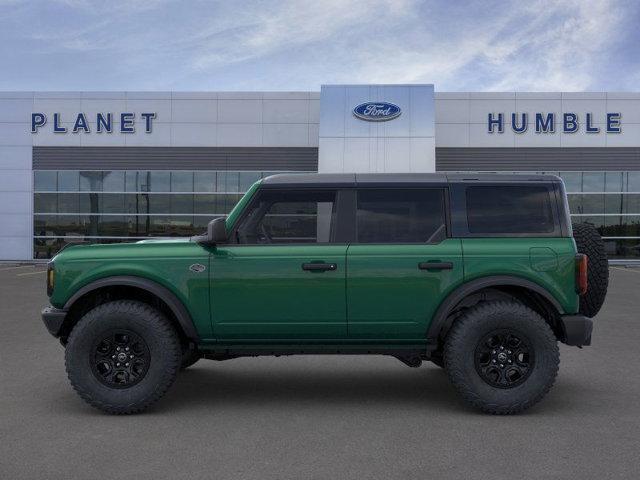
(377, 111)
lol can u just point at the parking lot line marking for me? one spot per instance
(30, 273)
(14, 268)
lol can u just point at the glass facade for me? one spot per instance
(127, 205)
(72, 206)
(611, 202)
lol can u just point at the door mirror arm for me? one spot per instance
(216, 233)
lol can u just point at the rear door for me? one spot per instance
(401, 264)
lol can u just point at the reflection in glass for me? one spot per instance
(91, 181)
(593, 181)
(204, 181)
(572, 181)
(113, 181)
(182, 181)
(68, 181)
(45, 181)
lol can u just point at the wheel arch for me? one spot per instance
(509, 285)
(138, 286)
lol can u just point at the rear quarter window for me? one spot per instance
(511, 209)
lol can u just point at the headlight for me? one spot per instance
(51, 277)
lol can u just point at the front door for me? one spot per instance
(402, 263)
(283, 276)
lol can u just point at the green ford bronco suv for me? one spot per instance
(479, 274)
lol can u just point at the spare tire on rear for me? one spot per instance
(589, 242)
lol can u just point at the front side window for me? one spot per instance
(510, 209)
(286, 217)
(401, 216)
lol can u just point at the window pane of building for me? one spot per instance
(247, 179)
(159, 182)
(91, 181)
(135, 179)
(45, 203)
(112, 203)
(205, 204)
(204, 182)
(181, 203)
(613, 182)
(45, 181)
(113, 181)
(593, 182)
(633, 182)
(182, 181)
(68, 181)
(68, 203)
(620, 248)
(158, 203)
(572, 181)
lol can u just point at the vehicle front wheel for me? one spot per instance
(122, 356)
(502, 357)
(189, 357)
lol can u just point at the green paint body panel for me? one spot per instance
(165, 262)
(389, 297)
(239, 207)
(262, 292)
(548, 262)
(260, 295)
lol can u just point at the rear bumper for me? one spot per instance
(53, 319)
(577, 330)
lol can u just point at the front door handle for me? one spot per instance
(319, 267)
(435, 265)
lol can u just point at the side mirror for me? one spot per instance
(216, 233)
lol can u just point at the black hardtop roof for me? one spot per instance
(378, 179)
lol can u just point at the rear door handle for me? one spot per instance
(319, 267)
(435, 265)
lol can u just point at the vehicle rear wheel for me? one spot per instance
(589, 242)
(502, 357)
(122, 356)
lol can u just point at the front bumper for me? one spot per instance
(53, 319)
(577, 330)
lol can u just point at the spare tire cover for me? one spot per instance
(589, 242)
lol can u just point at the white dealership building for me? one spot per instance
(122, 166)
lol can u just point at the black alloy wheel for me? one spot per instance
(120, 359)
(504, 358)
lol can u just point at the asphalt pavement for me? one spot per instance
(318, 417)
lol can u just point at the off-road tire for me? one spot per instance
(150, 325)
(469, 331)
(189, 357)
(589, 242)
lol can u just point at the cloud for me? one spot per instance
(299, 44)
(290, 24)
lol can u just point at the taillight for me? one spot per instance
(581, 273)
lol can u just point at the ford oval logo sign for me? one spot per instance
(377, 111)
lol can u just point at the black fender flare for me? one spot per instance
(468, 288)
(167, 296)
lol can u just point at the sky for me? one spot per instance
(285, 45)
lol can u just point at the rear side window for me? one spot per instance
(509, 209)
(401, 216)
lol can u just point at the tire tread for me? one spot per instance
(459, 379)
(164, 329)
